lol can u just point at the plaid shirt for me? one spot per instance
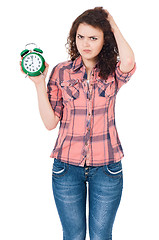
(87, 131)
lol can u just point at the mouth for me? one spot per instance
(86, 50)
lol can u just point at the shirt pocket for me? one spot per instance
(106, 88)
(70, 90)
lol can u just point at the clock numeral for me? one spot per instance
(32, 63)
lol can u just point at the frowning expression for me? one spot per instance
(89, 41)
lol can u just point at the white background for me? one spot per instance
(27, 208)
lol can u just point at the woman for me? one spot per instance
(81, 94)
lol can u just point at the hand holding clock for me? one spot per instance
(40, 78)
(33, 63)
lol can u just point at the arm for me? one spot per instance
(125, 52)
(47, 114)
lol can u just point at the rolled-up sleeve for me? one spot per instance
(121, 77)
(54, 93)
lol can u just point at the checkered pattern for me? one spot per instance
(87, 131)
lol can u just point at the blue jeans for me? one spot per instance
(105, 184)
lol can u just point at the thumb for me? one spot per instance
(46, 65)
(46, 69)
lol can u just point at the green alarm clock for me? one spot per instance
(33, 63)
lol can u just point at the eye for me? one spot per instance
(93, 38)
(79, 36)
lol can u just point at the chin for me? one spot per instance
(88, 57)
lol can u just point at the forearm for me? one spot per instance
(46, 112)
(125, 52)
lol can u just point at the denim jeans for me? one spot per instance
(105, 184)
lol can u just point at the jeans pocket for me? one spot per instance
(59, 168)
(113, 170)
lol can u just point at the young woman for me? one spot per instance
(81, 94)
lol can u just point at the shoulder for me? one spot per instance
(60, 67)
(64, 65)
(61, 71)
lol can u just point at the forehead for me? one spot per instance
(86, 29)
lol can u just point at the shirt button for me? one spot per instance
(89, 113)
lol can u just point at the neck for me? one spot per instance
(89, 64)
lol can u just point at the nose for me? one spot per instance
(86, 42)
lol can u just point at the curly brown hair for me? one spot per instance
(108, 57)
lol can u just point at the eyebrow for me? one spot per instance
(89, 37)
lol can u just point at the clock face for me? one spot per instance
(32, 63)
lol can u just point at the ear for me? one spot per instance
(24, 52)
(38, 50)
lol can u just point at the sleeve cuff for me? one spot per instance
(131, 72)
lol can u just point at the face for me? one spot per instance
(89, 41)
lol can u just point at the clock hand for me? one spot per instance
(31, 60)
(31, 63)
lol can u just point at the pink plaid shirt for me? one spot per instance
(87, 131)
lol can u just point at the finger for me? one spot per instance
(108, 14)
(21, 67)
(46, 65)
(46, 68)
(22, 71)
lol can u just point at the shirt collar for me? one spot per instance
(78, 63)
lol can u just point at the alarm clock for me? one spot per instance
(33, 63)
